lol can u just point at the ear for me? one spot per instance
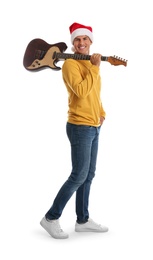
(73, 49)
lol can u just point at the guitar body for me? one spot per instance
(39, 55)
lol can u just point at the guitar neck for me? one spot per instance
(75, 56)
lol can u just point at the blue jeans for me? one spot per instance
(84, 148)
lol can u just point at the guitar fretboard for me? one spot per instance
(75, 56)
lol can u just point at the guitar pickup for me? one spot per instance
(39, 54)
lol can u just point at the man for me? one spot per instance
(85, 117)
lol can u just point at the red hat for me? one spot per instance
(77, 29)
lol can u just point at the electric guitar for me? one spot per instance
(40, 55)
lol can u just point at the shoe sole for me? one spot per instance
(91, 230)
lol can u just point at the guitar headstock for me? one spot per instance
(115, 60)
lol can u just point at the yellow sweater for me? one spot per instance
(83, 83)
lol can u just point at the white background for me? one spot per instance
(34, 149)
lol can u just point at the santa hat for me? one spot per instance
(77, 29)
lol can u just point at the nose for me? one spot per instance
(81, 41)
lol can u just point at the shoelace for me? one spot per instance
(94, 222)
(58, 227)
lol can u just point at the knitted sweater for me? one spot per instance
(83, 83)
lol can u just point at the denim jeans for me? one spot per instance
(84, 148)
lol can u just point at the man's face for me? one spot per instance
(82, 44)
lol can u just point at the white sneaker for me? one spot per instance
(90, 226)
(53, 228)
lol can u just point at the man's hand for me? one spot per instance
(95, 59)
(102, 120)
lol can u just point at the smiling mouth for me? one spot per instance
(82, 47)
